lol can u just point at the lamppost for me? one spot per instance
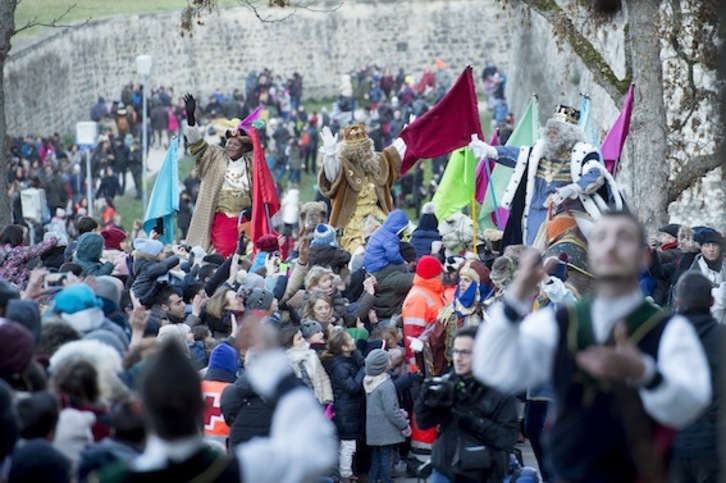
(143, 67)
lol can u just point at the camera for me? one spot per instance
(439, 392)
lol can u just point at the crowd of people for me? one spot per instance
(309, 356)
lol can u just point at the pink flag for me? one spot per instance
(482, 176)
(612, 146)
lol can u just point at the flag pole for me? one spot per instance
(497, 218)
(473, 219)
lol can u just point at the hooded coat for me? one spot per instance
(394, 283)
(245, 412)
(383, 247)
(88, 255)
(346, 377)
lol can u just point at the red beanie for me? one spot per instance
(268, 243)
(429, 267)
(112, 238)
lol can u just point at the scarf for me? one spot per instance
(712, 270)
(468, 302)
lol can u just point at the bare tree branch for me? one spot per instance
(600, 69)
(693, 171)
(55, 23)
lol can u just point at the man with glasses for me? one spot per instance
(477, 425)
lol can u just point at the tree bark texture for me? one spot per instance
(7, 29)
(647, 142)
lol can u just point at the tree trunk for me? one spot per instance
(649, 170)
(7, 29)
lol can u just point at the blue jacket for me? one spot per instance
(422, 240)
(383, 247)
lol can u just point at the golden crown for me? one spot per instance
(567, 114)
(356, 134)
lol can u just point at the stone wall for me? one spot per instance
(52, 82)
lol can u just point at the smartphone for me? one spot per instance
(52, 280)
(159, 229)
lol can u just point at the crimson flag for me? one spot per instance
(446, 127)
(265, 202)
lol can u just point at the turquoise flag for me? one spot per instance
(457, 185)
(164, 201)
(587, 126)
(525, 134)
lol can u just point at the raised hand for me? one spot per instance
(330, 142)
(529, 275)
(191, 107)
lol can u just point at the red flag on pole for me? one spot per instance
(612, 146)
(265, 202)
(447, 126)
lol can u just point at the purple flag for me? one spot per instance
(612, 146)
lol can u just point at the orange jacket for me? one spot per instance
(214, 424)
(420, 309)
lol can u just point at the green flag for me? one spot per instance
(457, 184)
(525, 134)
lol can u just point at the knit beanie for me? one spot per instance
(112, 238)
(107, 287)
(74, 299)
(376, 362)
(429, 267)
(324, 236)
(259, 299)
(15, 356)
(268, 243)
(148, 246)
(224, 357)
(671, 229)
(309, 328)
(428, 220)
(27, 314)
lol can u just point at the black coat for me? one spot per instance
(346, 378)
(394, 283)
(245, 412)
(328, 256)
(487, 415)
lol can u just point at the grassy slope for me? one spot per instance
(47, 10)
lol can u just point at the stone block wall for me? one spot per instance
(52, 82)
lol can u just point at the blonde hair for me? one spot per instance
(315, 274)
(218, 302)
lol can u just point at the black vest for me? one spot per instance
(205, 466)
(588, 441)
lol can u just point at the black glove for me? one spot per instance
(191, 107)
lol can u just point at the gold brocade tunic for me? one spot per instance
(367, 206)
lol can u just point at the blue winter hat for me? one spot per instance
(148, 246)
(324, 236)
(74, 299)
(224, 357)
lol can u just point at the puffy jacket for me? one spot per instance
(346, 377)
(422, 240)
(420, 309)
(245, 412)
(108, 451)
(147, 271)
(482, 413)
(88, 255)
(394, 283)
(383, 247)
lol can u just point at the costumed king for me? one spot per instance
(225, 193)
(560, 169)
(358, 181)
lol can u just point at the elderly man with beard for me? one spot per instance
(226, 187)
(358, 181)
(560, 169)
